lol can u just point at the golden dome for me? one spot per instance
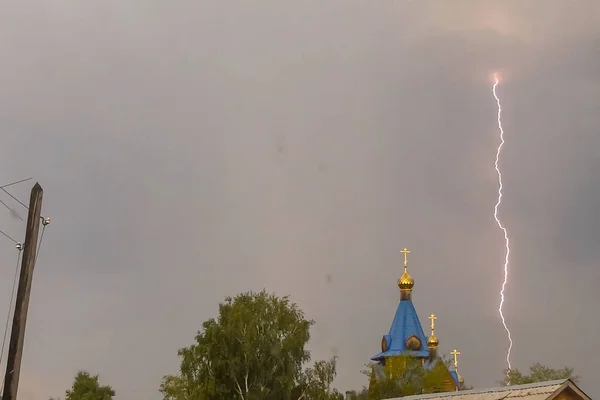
(406, 282)
(432, 341)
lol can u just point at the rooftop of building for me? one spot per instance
(534, 391)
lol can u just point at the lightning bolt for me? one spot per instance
(506, 242)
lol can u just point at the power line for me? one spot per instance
(13, 212)
(5, 235)
(15, 183)
(9, 208)
(45, 222)
(14, 198)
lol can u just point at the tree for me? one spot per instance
(315, 382)
(254, 349)
(87, 387)
(538, 373)
(414, 379)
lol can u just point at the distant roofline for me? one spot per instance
(491, 390)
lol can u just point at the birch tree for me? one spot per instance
(255, 349)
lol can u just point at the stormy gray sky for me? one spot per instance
(191, 150)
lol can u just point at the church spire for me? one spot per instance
(432, 342)
(455, 353)
(406, 282)
(459, 378)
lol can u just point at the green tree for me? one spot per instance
(254, 349)
(409, 382)
(315, 382)
(87, 387)
(538, 373)
(414, 379)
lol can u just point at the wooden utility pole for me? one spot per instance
(17, 335)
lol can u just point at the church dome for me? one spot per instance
(432, 341)
(406, 282)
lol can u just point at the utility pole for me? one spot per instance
(17, 335)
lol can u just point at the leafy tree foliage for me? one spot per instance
(315, 382)
(538, 373)
(414, 379)
(87, 387)
(254, 349)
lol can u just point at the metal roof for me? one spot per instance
(405, 324)
(534, 391)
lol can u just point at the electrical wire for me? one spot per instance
(13, 212)
(15, 183)
(37, 253)
(8, 237)
(14, 198)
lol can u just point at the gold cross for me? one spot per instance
(455, 353)
(432, 317)
(405, 251)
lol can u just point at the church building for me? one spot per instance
(406, 345)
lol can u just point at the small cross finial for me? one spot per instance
(406, 252)
(432, 317)
(455, 353)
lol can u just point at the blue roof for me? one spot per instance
(454, 377)
(406, 324)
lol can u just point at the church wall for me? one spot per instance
(396, 365)
(436, 381)
(440, 380)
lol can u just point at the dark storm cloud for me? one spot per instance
(191, 151)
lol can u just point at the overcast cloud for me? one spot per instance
(191, 150)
